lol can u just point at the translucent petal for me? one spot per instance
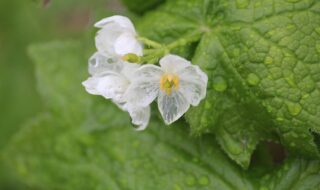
(122, 21)
(173, 63)
(90, 84)
(99, 63)
(106, 38)
(148, 72)
(142, 93)
(109, 85)
(144, 86)
(128, 70)
(121, 105)
(127, 43)
(140, 116)
(172, 106)
(193, 84)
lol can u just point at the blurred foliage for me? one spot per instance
(23, 23)
(141, 6)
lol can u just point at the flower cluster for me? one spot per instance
(118, 74)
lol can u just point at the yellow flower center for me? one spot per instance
(169, 82)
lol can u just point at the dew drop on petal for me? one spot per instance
(220, 84)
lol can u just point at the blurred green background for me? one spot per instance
(27, 22)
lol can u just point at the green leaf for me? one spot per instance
(100, 150)
(119, 158)
(100, 146)
(60, 70)
(295, 174)
(141, 6)
(262, 59)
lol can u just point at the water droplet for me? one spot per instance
(207, 105)
(242, 4)
(190, 180)
(253, 79)
(268, 60)
(220, 84)
(280, 118)
(203, 180)
(269, 108)
(177, 187)
(294, 108)
(292, 144)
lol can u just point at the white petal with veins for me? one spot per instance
(140, 116)
(117, 37)
(172, 107)
(173, 63)
(127, 43)
(144, 87)
(142, 93)
(109, 85)
(122, 21)
(99, 64)
(193, 84)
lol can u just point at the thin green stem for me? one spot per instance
(193, 37)
(153, 55)
(149, 42)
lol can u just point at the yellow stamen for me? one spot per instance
(169, 82)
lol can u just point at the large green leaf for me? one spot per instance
(293, 175)
(262, 59)
(100, 151)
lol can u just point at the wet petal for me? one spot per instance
(193, 84)
(145, 85)
(173, 63)
(106, 38)
(172, 106)
(140, 116)
(99, 63)
(127, 43)
(109, 85)
(122, 21)
(148, 72)
(142, 93)
(129, 69)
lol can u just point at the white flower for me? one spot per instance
(177, 84)
(110, 78)
(117, 37)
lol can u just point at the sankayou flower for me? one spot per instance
(117, 37)
(111, 79)
(177, 84)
